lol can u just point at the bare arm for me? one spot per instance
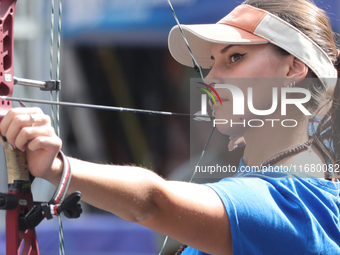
(190, 213)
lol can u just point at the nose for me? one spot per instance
(211, 74)
(215, 76)
(212, 78)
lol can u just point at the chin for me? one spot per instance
(226, 129)
(233, 125)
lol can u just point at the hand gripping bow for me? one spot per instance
(23, 214)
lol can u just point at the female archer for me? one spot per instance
(273, 212)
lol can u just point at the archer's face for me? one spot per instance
(245, 61)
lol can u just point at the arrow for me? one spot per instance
(102, 107)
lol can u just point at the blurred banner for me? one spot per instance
(147, 21)
(94, 235)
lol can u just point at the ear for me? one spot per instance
(297, 69)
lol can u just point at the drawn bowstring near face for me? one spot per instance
(210, 94)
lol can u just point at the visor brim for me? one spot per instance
(202, 37)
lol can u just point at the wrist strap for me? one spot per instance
(57, 204)
(64, 182)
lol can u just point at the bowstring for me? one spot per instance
(58, 64)
(55, 109)
(52, 57)
(198, 69)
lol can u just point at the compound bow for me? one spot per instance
(22, 213)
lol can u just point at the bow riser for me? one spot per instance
(19, 192)
(7, 11)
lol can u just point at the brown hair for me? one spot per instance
(314, 22)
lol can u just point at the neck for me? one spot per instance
(264, 142)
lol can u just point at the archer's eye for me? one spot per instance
(236, 57)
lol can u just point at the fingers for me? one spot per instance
(22, 125)
(29, 129)
(35, 138)
(236, 142)
(50, 144)
(19, 115)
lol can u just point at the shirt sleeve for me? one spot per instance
(263, 219)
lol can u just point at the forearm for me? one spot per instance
(191, 213)
(126, 191)
(184, 211)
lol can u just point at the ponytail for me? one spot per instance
(314, 23)
(327, 136)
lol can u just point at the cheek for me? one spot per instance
(262, 70)
(229, 124)
(266, 94)
(261, 98)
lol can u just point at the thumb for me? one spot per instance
(236, 142)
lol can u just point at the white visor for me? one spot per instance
(249, 25)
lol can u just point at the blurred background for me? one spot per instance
(114, 53)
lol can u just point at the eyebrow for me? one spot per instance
(226, 48)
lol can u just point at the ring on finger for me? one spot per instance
(32, 119)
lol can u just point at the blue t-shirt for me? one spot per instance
(280, 215)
